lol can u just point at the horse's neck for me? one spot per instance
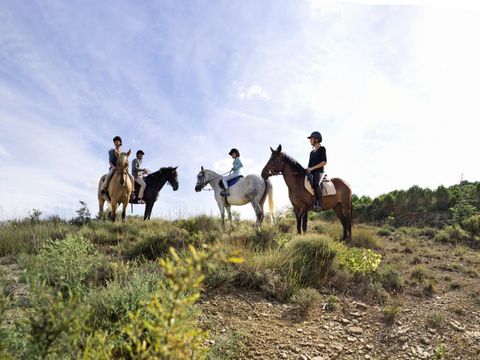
(159, 181)
(291, 176)
(214, 179)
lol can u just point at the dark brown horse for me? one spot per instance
(302, 201)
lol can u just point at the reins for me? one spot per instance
(214, 178)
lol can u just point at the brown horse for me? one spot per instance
(119, 188)
(302, 201)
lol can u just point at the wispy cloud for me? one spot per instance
(185, 83)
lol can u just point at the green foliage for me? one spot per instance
(391, 311)
(28, 237)
(4, 333)
(158, 245)
(83, 214)
(452, 234)
(64, 264)
(331, 303)
(53, 325)
(391, 278)
(228, 346)
(440, 351)
(306, 299)
(34, 215)
(312, 258)
(166, 327)
(365, 238)
(357, 261)
(419, 272)
(472, 225)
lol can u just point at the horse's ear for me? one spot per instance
(129, 152)
(272, 149)
(202, 167)
(279, 149)
(175, 168)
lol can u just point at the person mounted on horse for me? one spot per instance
(234, 172)
(138, 173)
(316, 163)
(112, 159)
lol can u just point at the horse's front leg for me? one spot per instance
(124, 211)
(304, 223)
(298, 217)
(229, 214)
(148, 210)
(113, 215)
(222, 213)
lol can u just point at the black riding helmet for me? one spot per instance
(234, 151)
(117, 138)
(316, 135)
(140, 152)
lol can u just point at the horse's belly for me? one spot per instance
(233, 200)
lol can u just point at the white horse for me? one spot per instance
(250, 189)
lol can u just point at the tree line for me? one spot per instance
(420, 206)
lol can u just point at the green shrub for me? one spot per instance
(306, 299)
(451, 234)
(157, 245)
(312, 258)
(64, 264)
(419, 272)
(228, 345)
(472, 225)
(331, 304)
(391, 311)
(264, 237)
(386, 231)
(200, 224)
(357, 261)
(365, 238)
(391, 278)
(28, 237)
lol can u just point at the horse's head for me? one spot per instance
(122, 164)
(202, 180)
(172, 177)
(275, 165)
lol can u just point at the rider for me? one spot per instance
(318, 159)
(234, 172)
(112, 158)
(138, 173)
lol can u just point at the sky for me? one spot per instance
(392, 86)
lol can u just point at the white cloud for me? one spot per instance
(254, 91)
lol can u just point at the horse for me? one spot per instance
(155, 182)
(250, 189)
(119, 188)
(302, 201)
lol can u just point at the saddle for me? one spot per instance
(328, 188)
(230, 182)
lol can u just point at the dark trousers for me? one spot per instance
(316, 186)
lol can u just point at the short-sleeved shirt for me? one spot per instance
(112, 157)
(316, 157)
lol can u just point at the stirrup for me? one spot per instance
(225, 193)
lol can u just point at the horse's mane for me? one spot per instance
(157, 175)
(293, 163)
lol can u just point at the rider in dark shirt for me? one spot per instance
(318, 159)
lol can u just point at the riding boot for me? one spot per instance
(318, 204)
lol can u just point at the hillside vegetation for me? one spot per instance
(186, 289)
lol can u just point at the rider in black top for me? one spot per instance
(318, 159)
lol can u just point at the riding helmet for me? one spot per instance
(117, 138)
(234, 151)
(316, 135)
(140, 152)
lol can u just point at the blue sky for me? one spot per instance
(392, 88)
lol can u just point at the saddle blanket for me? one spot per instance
(326, 185)
(231, 182)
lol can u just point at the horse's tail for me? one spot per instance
(271, 203)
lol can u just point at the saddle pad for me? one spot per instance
(327, 187)
(231, 182)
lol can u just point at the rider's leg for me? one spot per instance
(142, 186)
(107, 179)
(318, 191)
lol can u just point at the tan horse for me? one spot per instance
(119, 189)
(302, 201)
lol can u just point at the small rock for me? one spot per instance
(318, 358)
(356, 330)
(425, 341)
(360, 305)
(352, 338)
(303, 357)
(264, 314)
(456, 325)
(367, 357)
(300, 330)
(345, 321)
(223, 330)
(369, 346)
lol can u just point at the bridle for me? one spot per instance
(202, 181)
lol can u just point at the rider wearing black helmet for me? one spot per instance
(112, 159)
(318, 159)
